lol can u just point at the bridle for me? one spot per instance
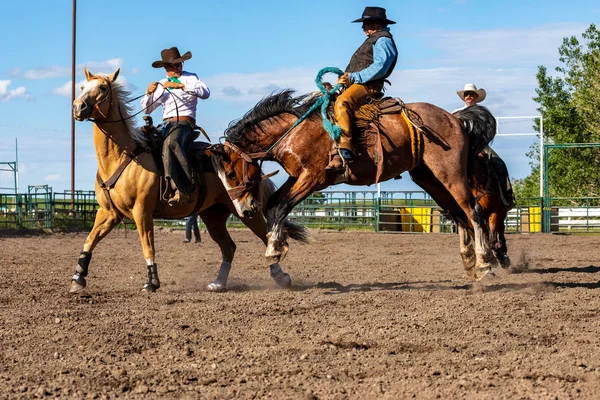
(247, 184)
(103, 99)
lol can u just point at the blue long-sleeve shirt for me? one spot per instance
(384, 53)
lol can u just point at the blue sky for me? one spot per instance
(244, 50)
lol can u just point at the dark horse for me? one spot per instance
(487, 185)
(440, 167)
(128, 182)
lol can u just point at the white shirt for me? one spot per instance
(182, 102)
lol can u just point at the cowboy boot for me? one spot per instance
(335, 161)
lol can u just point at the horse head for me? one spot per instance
(241, 175)
(94, 101)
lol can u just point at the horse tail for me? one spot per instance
(292, 229)
(480, 125)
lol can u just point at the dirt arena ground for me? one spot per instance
(370, 316)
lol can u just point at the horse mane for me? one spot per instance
(242, 131)
(123, 100)
(480, 124)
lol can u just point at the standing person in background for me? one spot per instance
(192, 224)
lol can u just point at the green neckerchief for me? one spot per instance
(173, 79)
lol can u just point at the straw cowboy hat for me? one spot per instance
(470, 87)
(374, 14)
(171, 56)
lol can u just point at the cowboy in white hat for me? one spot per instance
(470, 95)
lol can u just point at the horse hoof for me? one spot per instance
(283, 280)
(77, 287)
(482, 272)
(149, 287)
(505, 262)
(216, 287)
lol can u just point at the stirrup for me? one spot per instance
(334, 154)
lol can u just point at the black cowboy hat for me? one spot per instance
(171, 56)
(374, 14)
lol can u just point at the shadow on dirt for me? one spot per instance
(337, 288)
(592, 269)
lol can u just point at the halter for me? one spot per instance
(247, 184)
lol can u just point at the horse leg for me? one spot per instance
(501, 252)
(215, 219)
(105, 221)
(467, 252)
(458, 200)
(493, 238)
(259, 227)
(292, 192)
(460, 191)
(145, 227)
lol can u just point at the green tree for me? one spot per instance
(570, 105)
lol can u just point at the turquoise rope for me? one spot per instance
(322, 102)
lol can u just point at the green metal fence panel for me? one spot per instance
(389, 211)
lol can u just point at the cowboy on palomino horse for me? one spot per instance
(178, 94)
(364, 78)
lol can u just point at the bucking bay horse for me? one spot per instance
(487, 184)
(128, 181)
(435, 152)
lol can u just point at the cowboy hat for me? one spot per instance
(470, 87)
(374, 14)
(171, 56)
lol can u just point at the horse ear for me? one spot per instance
(113, 77)
(88, 74)
(216, 149)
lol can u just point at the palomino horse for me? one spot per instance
(128, 186)
(440, 168)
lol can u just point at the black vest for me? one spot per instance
(363, 57)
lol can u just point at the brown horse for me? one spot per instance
(128, 186)
(486, 185)
(440, 167)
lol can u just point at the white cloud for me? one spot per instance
(101, 67)
(252, 87)
(55, 71)
(45, 72)
(500, 47)
(52, 178)
(7, 94)
(65, 89)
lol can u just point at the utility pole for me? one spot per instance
(72, 100)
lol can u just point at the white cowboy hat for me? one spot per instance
(470, 87)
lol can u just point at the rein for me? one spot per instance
(129, 156)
